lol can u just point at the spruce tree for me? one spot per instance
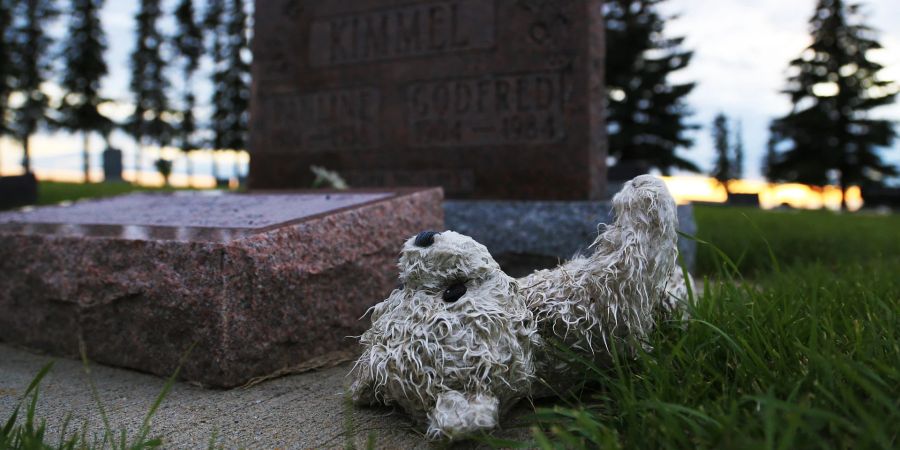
(236, 80)
(213, 23)
(32, 60)
(148, 83)
(7, 67)
(646, 113)
(84, 67)
(230, 77)
(770, 158)
(833, 86)
(723, 168)
(737, 164)
(188, 42)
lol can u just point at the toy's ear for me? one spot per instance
(425, 238)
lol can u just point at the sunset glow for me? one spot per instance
(771, 195)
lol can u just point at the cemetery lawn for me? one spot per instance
(794, 343)
(52, 192)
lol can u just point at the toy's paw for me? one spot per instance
(675, 300)
(361, 392)
(456, 415)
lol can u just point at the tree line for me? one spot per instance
(829, 135)
(30, 57)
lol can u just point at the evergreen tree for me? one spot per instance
(31, 57)
(7, 74)
(646, 113)
(148, 83)
(231, 75)
(833, 86)
(770, 158)
(737, 164)
(213, 22)
(84, 65)
(723, 168)
(189, 44)
(237, 80)
(237, 77)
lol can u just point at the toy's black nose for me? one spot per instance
(454, 292)
(425, 238)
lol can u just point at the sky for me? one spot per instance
(741, 53)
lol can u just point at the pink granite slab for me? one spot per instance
(257, 282)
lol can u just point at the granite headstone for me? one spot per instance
(112, 165)
(254, 282)
(18, 190)
(499, 99)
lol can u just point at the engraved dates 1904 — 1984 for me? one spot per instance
(488, 110)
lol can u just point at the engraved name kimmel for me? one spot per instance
(489, 110)
(335, 119)
(405, 31)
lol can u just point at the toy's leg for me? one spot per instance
(362, 391)
(676, 296)
(456, 415)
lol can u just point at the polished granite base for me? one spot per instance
(249, 283)
(515, 230)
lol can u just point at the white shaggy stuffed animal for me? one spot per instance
(615, 295)
(459, 342)
(453, 345)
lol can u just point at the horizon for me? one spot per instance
(740, 76)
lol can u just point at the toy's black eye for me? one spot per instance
(454, 292)
(425, 238)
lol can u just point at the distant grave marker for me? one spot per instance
(487, 98)
(18, 190)
(112, 165)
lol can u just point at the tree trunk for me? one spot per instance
(26, 153)
(189, 169)
(86, 155)
(237, 166)
(215, 167)
(137, 160)
(843, 187)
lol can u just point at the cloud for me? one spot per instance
(742, 50)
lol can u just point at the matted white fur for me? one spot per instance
(611, 296)
(458, 365)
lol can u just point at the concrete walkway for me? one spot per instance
(298, 411)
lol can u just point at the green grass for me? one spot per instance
(51, 192)
(804, 353)
(795, 237)
(28, 433)
(794, 343)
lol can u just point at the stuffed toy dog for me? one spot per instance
(459, 342)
